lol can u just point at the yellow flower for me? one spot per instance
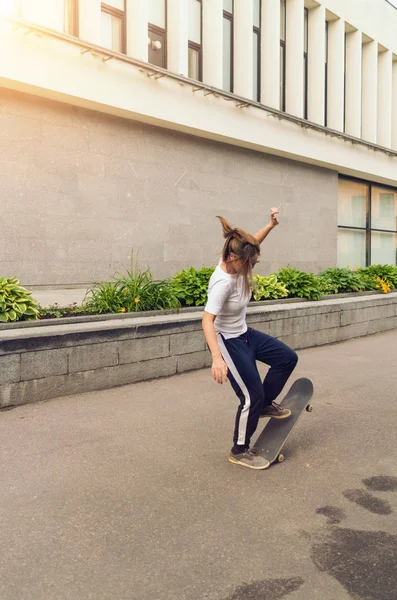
(347, 266)
(137, 300)
(122, 310)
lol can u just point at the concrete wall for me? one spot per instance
(39, 363)
(79, 189)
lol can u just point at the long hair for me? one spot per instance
(244, 245)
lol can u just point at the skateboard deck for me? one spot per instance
(276, 431)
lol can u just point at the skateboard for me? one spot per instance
(276, 431)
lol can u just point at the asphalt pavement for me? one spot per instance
(127, 494)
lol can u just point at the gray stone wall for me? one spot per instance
(79, 189)
(39, 363)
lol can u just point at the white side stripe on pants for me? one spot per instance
(242, 427)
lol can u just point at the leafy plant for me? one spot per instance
(387, 273)
(16, 303)
(104, 297)
(326, 286)
(191, 285)
(140, 292)
(344, 280)
(266, 288)
(299, 284)
(380, 284)
(135, 291)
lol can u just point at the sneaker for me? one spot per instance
(276, 411)
(250, 459)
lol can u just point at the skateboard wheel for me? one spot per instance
(280, 458)
(309, 408)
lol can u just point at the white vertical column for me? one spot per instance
(177, 36)
(384, 98)
(90, 21)
(213, 42)
(394, 106)
(336, 74)
(316, 65)
(137, 29)
(270, 53)
(353, 83)
(370, 92)
(243, 48)
(294, 44)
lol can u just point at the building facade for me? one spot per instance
(131, 124)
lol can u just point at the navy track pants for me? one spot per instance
(240, 354)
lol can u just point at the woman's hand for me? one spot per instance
(219, 369)
(273, 216)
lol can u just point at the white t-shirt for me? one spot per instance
(227, 300)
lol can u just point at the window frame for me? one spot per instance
(160, 31)
(230, 17)
(257, 31)
(199, 47)
(368, 221)
(283, 47)
(305, 63)
(119, 14)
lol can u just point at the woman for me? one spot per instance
(236, 348)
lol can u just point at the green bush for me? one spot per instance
(385, 272)
(327, 286)
(16, 303)
(268, 288)
(104, 297)
(135, 291)
(191, 285)
(299, 284)
(343, 280)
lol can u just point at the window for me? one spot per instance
(383, 226)
(367, 224)
(326, 76)
(283, 23)
(113, 25)
(257, 51)
(195, 50)
(157, 33)
(228, 45)
(305, 62)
